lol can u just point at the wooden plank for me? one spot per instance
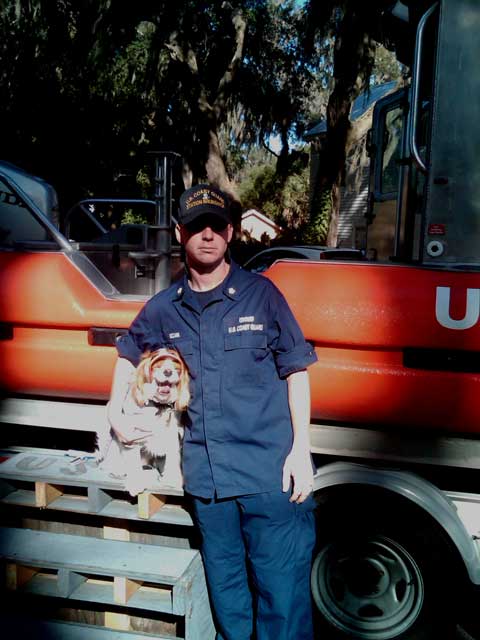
(5, 489)
(20, 497)
(24, 627)
(191, 595)
(122, 509)
(124, 588)
(169, 514)
(116, 533)
(149, 504)
(46, 493)
(115, 620)
(146, 598)
(68, 470)
(97, 499)
(101, 592)
(17, 575)
(68, 582)
(151, 563)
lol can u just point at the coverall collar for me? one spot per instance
(230, 289)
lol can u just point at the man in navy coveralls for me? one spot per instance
(246, 452)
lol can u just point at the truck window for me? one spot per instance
(101, 221)
(392, 137)
(17, 223)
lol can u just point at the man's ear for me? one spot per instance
(230, 233)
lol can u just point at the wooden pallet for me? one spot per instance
(109, 572)
(57, 480)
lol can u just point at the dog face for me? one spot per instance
(162, 377)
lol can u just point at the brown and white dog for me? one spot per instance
(157, 396)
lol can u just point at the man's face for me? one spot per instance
(205, 240)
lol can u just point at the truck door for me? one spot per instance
(386, 148)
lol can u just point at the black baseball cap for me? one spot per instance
(201, 200)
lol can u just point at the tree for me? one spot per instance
(352, 26)
(284, 199)
(63, 114)
(92, 86)
(226, 91)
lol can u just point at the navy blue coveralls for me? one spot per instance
(239, 350)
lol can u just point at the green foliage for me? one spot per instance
(259, 187)
(89, 88)
(386, 66)
(316, 230)
(67, 111)
(133, 217)
(283, 199)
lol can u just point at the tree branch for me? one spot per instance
(187, 57)
(240, 26)
(180, 54)
(265, 146)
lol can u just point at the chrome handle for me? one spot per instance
(416, 88)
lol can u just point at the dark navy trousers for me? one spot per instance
(257, 551)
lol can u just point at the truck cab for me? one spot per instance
(424, 185)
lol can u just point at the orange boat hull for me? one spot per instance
(51, 306)
(360, 317)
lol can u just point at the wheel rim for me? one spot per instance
(372, 590)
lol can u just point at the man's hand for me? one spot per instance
(298, 470)
(298, 465)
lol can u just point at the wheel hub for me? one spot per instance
(363, 576)
(372, 590)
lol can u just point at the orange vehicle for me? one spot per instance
(395, 392)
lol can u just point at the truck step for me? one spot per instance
(56, 630)
(75, 483)
(109, 572)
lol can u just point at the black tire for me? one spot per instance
(383, 570)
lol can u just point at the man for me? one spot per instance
(246, 453)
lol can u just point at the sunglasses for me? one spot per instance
(216, 224)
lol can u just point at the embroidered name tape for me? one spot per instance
(245, 327)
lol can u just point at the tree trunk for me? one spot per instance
(332, 236)
(215, 166)
(218, 176)
(353, 60)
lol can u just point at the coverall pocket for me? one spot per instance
(185, 348)
(246, 360)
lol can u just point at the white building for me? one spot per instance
(257, 225)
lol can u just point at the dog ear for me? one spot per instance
(183, 398)
(142, 376)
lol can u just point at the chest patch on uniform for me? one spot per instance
(245, 326)
(175, 334)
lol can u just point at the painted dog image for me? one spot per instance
(158, 395)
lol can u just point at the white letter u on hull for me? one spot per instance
(442, 309)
